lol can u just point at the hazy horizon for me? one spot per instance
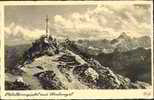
(79, 21)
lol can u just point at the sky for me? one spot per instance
(79, 21)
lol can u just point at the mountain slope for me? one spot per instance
(51, 65)
(135, 64)
(123, 43)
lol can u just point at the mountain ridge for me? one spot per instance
(54, 65)
(122, 43)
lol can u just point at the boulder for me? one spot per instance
(18, 84)
(49, 80)
(19, 79)
(92, 74)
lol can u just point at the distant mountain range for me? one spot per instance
(51, 65)
(122, 43)
(135, 64)
(130, 57)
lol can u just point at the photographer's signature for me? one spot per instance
(147, 93)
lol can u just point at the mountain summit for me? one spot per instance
(123, 35)
(52, 65)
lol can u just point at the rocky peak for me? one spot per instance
(123, 35)
(69, 68)
(45, 45)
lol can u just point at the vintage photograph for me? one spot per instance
(66, 47)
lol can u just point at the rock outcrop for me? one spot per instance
(17, 85)
(49, 80)
(54, 66)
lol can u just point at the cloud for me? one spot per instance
(22, 32)
(105, 21)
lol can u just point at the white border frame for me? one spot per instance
(76, 94)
